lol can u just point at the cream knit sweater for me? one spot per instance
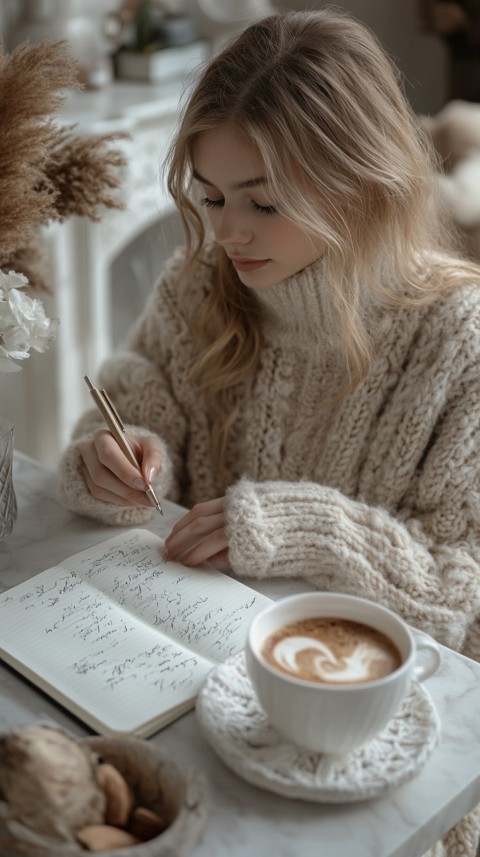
(378, 496)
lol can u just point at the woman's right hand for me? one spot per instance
(111, 477)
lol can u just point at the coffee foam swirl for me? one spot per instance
(325, 665)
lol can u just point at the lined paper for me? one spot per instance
(121, 636)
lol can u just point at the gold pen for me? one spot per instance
(114, 423)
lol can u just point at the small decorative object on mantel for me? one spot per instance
(60, 796)
(80, 22)
(161, 44)
(46, 174)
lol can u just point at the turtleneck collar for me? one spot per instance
(298, 306)
(299, 309)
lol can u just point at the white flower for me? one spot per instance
(23, 323)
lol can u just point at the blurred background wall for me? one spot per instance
(421, 57)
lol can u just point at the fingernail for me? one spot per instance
(151, 471)
(139, 485)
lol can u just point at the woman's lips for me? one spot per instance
(248, 264)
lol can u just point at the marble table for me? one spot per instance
(242, 819)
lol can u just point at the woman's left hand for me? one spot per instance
(200, 535)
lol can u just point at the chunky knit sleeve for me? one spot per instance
(421, 557)
(148, 384)
(312, 531)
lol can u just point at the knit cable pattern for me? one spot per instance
(234, 723)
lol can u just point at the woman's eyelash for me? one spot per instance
(218, 203)
(264, 209)
(211, 203)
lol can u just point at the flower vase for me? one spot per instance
(8, 501)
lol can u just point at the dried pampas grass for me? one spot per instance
(85, 174)
(45, 172)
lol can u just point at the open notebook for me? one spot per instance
(120, 637)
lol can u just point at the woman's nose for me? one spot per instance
(231, 229)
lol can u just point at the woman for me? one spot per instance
(305, 374)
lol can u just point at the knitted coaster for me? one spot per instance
(234, 723)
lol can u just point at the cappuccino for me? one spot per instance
(331, 650)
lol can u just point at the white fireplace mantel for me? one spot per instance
(46, 398)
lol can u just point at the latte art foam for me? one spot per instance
(330, 650)
(354, 667)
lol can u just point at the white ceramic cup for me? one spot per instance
(330, 718)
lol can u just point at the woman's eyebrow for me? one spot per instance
(239, 186)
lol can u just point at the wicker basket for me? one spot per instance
(156, 783)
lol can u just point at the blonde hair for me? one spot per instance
(318, 97)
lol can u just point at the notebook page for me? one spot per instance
(202, 608)
(96, 648)
(93, 656)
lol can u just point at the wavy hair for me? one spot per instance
(318, 97)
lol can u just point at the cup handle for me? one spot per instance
(424, 643)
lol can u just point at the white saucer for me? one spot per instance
(236, 726)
